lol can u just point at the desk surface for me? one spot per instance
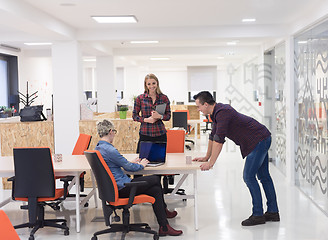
(78, 163)
(70, 163)
(175, 163)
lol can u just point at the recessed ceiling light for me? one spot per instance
(231, 43)
(38, 44)
(302, 42)
(67, 4)
(248, 20)
(136, 42)
(89, 60)
(159, 58)
(115, 19)
(220, 57)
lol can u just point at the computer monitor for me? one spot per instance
(180, 119)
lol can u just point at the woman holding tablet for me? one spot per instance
(152, 128)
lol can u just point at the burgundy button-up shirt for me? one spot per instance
(244, 131)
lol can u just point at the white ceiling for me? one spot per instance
(187, 29)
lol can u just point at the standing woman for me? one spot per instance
(152, 128)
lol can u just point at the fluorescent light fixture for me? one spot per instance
(137, 42)
(89, 60)
(159, 58)
(220, 57)
(115, 19)
(248, 20)
(38, 43)
(302, 42)
(231, 43)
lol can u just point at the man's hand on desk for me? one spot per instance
(206, 166)
(200, 159)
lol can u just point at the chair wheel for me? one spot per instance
(156, 237)
(31, 238)
(86, 204)
(117, 219)
(94, 238)
(66, 232)
(184, 200)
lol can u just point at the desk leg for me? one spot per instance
(195, 201)
(94, 188)
(77, 201)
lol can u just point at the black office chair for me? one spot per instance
(108, 193)
(180, 119)
(207, 121)
(34, 182)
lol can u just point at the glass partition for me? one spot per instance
(311, 66)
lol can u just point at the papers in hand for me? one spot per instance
(160, 108)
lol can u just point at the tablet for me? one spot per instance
(160, 108)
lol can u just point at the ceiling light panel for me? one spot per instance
(248, 20)
(115, 19)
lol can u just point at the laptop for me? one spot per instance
(155, 152)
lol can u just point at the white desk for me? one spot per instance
(72, 165)
(175, 164)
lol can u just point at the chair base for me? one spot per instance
(55, 205)
(137, 227)
(44, 223)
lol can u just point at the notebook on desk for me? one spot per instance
(155, 152)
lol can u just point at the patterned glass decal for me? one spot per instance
(311, 135)
(280, 106)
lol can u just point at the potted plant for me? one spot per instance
(123, 111)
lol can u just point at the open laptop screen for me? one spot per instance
(155, 152)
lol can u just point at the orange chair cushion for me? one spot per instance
(59, 192)
(7, 230)
(142, 198)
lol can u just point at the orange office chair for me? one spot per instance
(82, 144)
(34, 182)
(208, 121)
(108, 193)
(7, 231)
(175, 144)
(180, 119)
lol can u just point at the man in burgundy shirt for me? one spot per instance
(254, 140)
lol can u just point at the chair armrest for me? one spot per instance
(11, 179)
(133, 186)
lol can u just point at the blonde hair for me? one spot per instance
(152, 76)
(104, 127)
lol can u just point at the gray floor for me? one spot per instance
(224, 201)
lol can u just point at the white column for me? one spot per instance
(290, 111)
(106, 96)
(67, 90)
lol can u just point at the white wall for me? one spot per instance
(36, 68)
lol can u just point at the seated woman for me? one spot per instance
(116, 162)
